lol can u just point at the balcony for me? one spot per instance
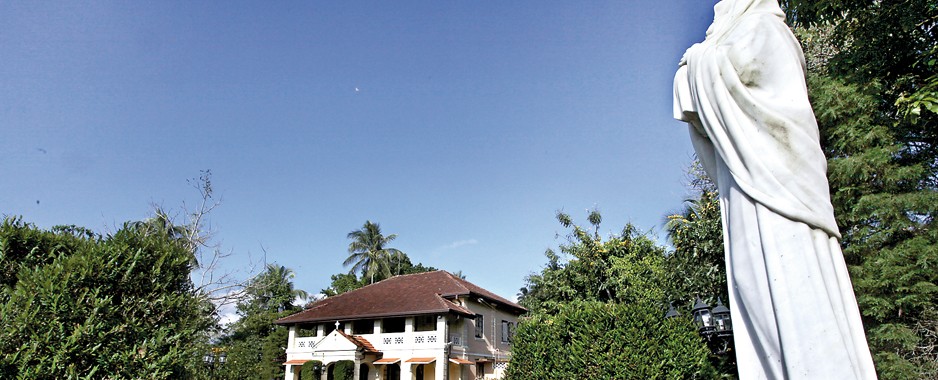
(306, 344)
(382, 342)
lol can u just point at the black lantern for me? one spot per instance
(713, 325)
(209, 359)
(721, 317)
(702, 317)
(214, 359)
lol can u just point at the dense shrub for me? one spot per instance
(311, 370)
(77, 305)
(343, 370)
(595, 340)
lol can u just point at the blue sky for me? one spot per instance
(461, 126)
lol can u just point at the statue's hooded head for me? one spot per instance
(727, 12)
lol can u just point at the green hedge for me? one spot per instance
(311, 370)
(595, 340)
(343, 370)
(77, 306)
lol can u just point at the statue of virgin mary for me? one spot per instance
(742, 91)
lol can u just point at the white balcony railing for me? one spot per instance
(306, 344)
(401, 340)
(381, 342)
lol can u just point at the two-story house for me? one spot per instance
(425, 326)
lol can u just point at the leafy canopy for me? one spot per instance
(78, 305)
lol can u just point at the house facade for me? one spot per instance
(425, 326)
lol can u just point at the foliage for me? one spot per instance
(311, 370)
(893, 44)
(875, 102)
(603, 308)
(256, 347)
(625, 268)
(697, 265)
(886, 208)
(343, 370)
(369, 254)
(882, 169)
(597, 340)
(79, 305)
(343, 282)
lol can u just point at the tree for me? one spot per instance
(893, 43)
(886, 212)
(620, 269)
(343, 282)
(603, 308)
(369, 254)
(220, 287)
(256, 347)
(697, 265)
(873, 93)
(80, 305)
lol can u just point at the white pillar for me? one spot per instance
(291, 338)
(441, 330)
(441, 369)
(406, 371)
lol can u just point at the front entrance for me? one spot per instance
(363, 372)
(392, 372)
(341, 370)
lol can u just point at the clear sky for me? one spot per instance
(461, 126)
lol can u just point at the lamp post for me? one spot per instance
(214, 358)
(702, 317)
(714, 325)
(723, 325)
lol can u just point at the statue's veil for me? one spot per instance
(727, 12)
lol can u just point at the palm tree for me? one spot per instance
(368, 253)
(273, 289)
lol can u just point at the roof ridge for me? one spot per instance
(458, 281)
(340, 295)
(402, 295)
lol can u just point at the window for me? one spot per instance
(392, 325)
(425, 323)
(480, 321)
(365, 326)
(506, 331)
(306, 331)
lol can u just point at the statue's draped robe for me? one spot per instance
(743, 93)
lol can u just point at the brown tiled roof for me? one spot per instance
(359, 341)
(399, 296)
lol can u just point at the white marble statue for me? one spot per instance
(742, 90)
